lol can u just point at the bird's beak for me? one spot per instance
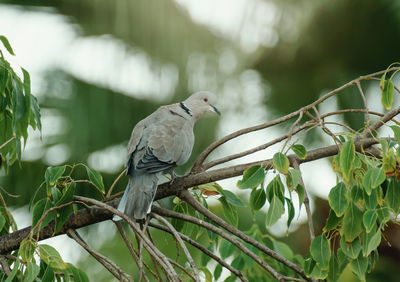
(216, 110)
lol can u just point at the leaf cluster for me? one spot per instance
(19, 109)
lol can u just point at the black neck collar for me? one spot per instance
(186, 109)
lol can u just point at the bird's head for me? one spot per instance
(202, 102)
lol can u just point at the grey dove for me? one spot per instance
(158, 144)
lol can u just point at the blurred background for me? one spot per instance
(98, 67)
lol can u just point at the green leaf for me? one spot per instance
(309, 265)
(96, 179)
(356, 193)
(293, 178)
(177, 223)
(299, 150)
(230, 212)
(290, 212)
(31, 272)
(389, 161)
(238, 263)
(396, 131)
(347, 155)
(39, 209)
(217, 271)
(382, 81)
(392, 194)
(48, 275)
(369, 220)
(338, 199)
(6, 44)
(275, 211)
(231, 278)
(252, 177)
(36, 112)
(275, 188)
(373, 178)
(19, 108)
(334, 269)
(67, 194)
(321, 251)
(352, 223)
(62, 216)
(387, 94)
(319, 273)
(284, 250)
(373, 243)
(359, 267)
(333, 221)
(351, 250)
(383, 214)
(226, 249)
(27, 249)
(233, 199)
(300, 194)
(207, 273)
(370, 201)
(281, 162)
(53, 173)
(343, 260)
(257, 198)
(79, 275)
(51, 257)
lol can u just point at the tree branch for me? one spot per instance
(93, 215)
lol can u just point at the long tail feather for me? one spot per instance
(139, 194)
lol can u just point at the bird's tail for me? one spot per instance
(139, 194)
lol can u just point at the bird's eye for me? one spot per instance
(205, 100)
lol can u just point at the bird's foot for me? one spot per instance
(173, 177)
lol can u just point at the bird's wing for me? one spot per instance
(164, 140)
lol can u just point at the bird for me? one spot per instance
(158, 144)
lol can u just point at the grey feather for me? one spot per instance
(158, 144)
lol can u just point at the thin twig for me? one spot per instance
(152, 259)
(291, 131)
(49, 211)
(188, 197)
(179, 240)
(114, 183)
(223, 234)
(4, 266)
(8, 141)
(342, 125)
(255, 149)
(364, 100)
(9, 216)
(197, 167)
(106, 262)
(151, 248)
(204, 250)
(131, 249)
(182, 268)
